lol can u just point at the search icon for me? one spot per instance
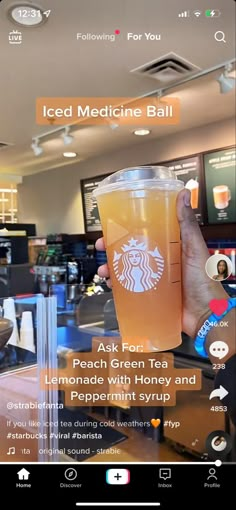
(220, 36)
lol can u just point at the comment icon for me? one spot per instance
(219, 349)
(165, 473)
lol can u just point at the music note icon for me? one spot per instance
(195, 442)
(11, 450)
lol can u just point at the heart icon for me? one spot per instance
(218, 306)
(155, 422)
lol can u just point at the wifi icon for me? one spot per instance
(197, 13)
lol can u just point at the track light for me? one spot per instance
(158, 100)
(112, 123)
(226, 82)
(67, 138)
(113, 126)
(35, 146)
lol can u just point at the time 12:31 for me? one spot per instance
(32, 13)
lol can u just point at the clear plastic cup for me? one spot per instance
(27, 332)
(193, 187)
(10, 313)
(222, 196)
(137, 207)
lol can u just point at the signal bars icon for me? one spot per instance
(184, 14)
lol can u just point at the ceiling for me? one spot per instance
(51, 62)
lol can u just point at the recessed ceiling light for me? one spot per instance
(26, 15)
(142, 132)
(69, 154)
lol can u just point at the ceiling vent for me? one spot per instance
(3, 145)
(166, 69)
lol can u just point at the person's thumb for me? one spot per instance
(193, 243)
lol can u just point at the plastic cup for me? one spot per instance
(137, 207)
(10, 313)
(222, 196)
(27, 332)
(193, 186)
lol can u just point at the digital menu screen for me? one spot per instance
(91, 215)
(220, 180)
(189, 171)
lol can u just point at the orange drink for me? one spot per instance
(137, 208)
(193, 186)
(221, 196)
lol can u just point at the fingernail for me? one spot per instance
(187, 198)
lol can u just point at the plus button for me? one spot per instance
(117, 476)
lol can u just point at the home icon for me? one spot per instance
(23, 474)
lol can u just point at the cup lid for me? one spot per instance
(156, 177)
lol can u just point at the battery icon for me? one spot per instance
(212, 13)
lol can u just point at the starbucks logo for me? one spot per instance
(137, 268)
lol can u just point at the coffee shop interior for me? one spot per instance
(49, 217)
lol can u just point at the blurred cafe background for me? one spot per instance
(49, 220)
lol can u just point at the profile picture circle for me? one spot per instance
(218, 267)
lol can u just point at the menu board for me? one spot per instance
(188, 170)
(221, 185)
(91, 216)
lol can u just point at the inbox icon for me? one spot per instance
(117, 476)
(165, 473)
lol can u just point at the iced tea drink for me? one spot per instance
(137, 208)
(221, 196)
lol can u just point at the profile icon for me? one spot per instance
(212, 474)
(219, 267)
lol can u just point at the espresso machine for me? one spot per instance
(46, 276)
(72, 281)
(61, 281)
